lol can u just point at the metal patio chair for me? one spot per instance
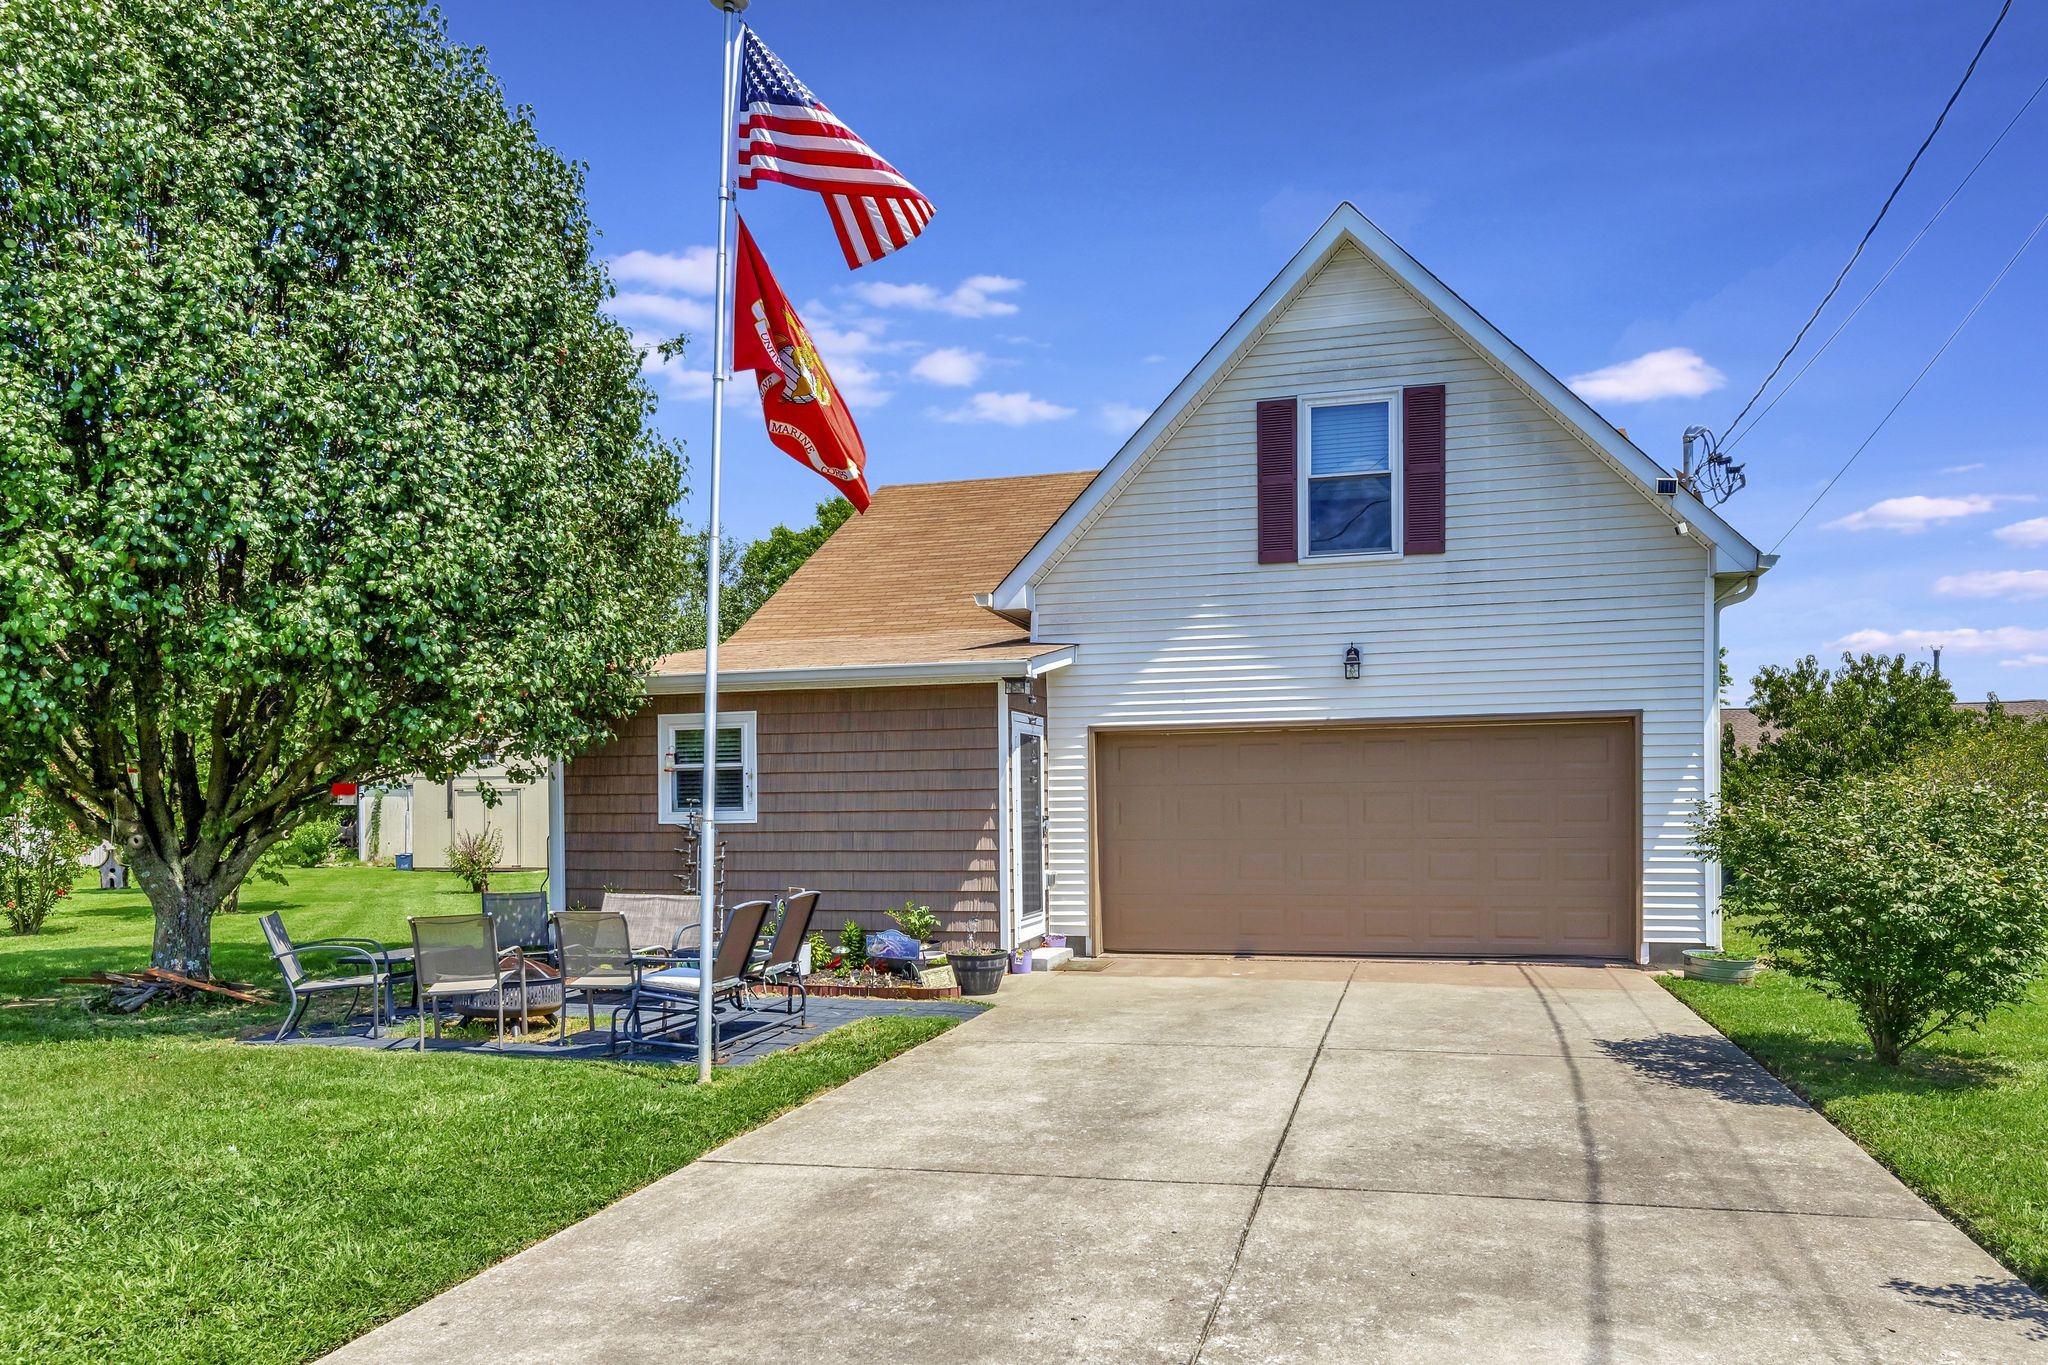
(457, 955)
(673, 989)
(781, 962)
(594, 949)
(522, 918)
(661, 926)
(376, 976)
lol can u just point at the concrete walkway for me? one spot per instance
(1226, 1161)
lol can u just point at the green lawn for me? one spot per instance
(167, 1194)
(1964, 1121)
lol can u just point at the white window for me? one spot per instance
(681, 763)
(1350, 479)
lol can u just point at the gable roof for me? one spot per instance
(894, 589)
(1733, 554)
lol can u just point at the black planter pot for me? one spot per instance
(979, 973)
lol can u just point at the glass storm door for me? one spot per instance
(1027, 830)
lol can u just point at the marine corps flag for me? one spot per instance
(806, 416)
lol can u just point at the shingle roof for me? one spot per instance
(1749, 731)
(897, 585)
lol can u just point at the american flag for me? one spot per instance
(786, 133)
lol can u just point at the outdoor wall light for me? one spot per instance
(1351, 662)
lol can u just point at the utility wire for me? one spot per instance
(1779, 396)
(1872, 229)
(1989, 290)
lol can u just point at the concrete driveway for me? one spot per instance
(1234, 1161)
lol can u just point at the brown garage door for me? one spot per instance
(1459, 839)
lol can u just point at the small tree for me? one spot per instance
(38, 860)
(1921, 903)
(1819, 724)
(474, 856)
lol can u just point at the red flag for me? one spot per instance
(805, 413)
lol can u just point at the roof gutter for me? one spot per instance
(865, 675)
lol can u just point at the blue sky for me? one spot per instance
(1658, 192)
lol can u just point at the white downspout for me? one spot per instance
(1006, 930)
(558, 837)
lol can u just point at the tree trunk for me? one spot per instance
(183, 941)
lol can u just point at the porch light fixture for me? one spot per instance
(1351, 663)
(1017, 687)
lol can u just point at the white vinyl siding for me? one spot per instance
(1562, 590)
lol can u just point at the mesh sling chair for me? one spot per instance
(522, 919)
(673, 989)
(781, 963)
(594, 949)
(456, 955)
(376, 976)
(661, 926)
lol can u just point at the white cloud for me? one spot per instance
(1122, 418)
(973, 297)
(1916, 513)
(2031, 532)
(1155, 359)
(2021, 584)
(2025, 661)
(663, 308)
(693, 272)
(1676, 372)
(950, 366)
(1963, 468)
(2018, 638)
(1008, 409)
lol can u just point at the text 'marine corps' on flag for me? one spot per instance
(787, 134)
(806, 416)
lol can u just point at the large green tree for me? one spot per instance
(318, 459)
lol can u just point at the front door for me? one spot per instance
(1027, 826)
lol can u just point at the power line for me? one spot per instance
(1882, 210)
(1989, 290)
(1890, 270)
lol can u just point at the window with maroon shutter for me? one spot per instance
(1422, 469)
(1279, 535)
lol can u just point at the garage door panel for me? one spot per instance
(1506, 839)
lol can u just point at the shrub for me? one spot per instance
(918, 921)
(39, 851)
(311, 844)
(376, 831)
(474, 856)
(1821, 724)
(1920, 902)
(853, 945)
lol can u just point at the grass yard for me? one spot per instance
(1964, 1121)
(169, 1195)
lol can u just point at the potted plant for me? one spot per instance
(1715, 964)
(979, 968)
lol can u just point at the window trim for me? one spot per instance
(667, 811)
(1304, 429)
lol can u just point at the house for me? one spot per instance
(1374, 638)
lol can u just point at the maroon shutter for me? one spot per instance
(1422, 470)
(1279, 535)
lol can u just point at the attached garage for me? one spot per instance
(1484, 839)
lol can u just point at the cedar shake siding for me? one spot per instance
(872, 796)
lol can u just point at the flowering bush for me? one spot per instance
(474, 856)
(38, 858)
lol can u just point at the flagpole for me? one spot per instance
(721, 315)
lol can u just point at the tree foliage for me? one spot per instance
(1818, 724)
(750, 572)
(1920, 900)
(39, 851)
(318, 459)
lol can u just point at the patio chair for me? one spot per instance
(522, 918)
(781, 964)
(661, 926)
(376, 976)
(457, 955)
(673, 989)
(594, 949)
